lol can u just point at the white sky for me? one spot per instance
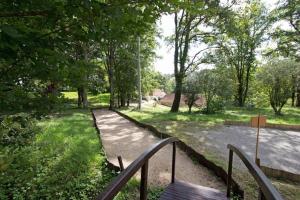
(164, 63)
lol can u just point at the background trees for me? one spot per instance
(239, 38)
(191, 90)
(275, 77)
(91, 46)
(187, 18)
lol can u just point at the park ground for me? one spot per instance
(182, 123)
(66, 158)
(193, 129)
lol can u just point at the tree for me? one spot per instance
(214, 87)
(191, 90)
(40, 45)
(187, 19)
(275, 77)
(239, 37)
(122, 24)
(288, 42)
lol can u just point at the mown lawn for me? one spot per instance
(162, 113)
(95, 101)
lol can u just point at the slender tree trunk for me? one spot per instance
(118, 100)
(298, 96)
(84, 98)
(293, 98)
(128, 100)
(123, 100)
(79, 98)
(240, 91)
(110, 69)
(190, 107)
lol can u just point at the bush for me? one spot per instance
(215, 105)
(17, 130)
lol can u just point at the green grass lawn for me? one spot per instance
(65, 161)
(162, 113)
(95, 101)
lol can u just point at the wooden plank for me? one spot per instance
(186, 191)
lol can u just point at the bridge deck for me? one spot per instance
(187, 191)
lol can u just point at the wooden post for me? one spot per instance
(257, 122)
(257, 142)
(173, 162)
(144, 181)
(121, 163)
(229, 176)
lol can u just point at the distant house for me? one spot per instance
(200, 102)
(158, 93)
(168, 100)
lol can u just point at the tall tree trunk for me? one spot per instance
(178, 92)
(239, 97)
(110, 69)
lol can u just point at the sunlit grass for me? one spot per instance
(99, 100)
(65, 161)
(162, 113)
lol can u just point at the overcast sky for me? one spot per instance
(164, 64)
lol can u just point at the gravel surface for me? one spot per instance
(122, 137)
(277, 148)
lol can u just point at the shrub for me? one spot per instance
(17, 130)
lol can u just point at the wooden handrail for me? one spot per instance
(141, 162)
(268, 190)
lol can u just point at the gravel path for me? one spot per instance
(277, 148)
(122, 137)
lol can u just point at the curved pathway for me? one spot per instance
(122, 137)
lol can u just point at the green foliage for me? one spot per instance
(65, 161)
(191, 90)
(276, 78)
(242, 32)
(17, 130)
(215, 89)
(288, 43)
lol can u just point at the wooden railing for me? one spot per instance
(141, 162)
(267, 190)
